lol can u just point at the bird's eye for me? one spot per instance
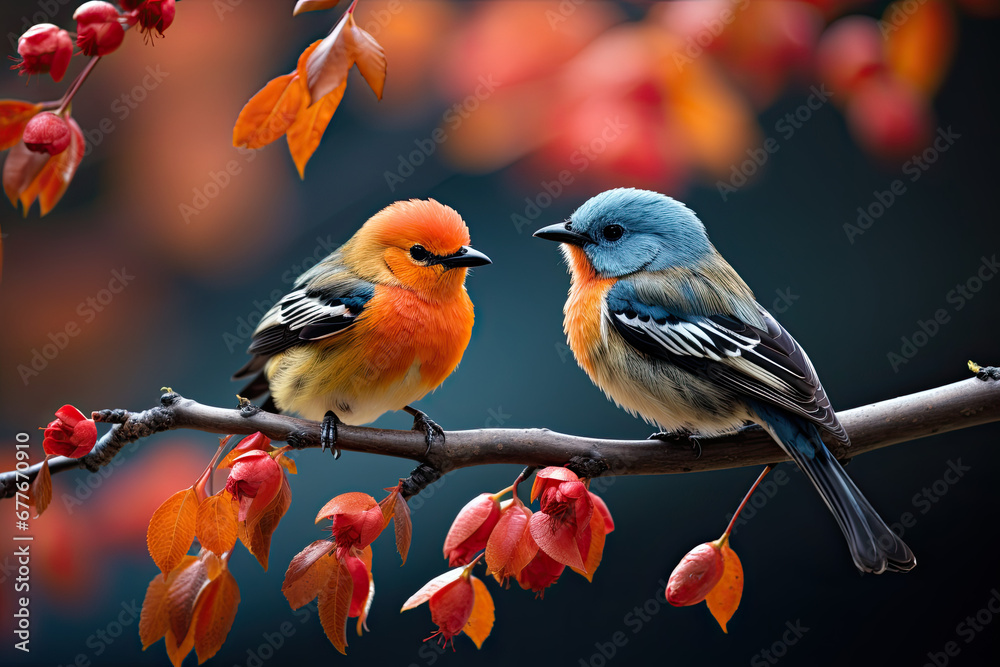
(419, 253)
(613, 232)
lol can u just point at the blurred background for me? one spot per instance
(841, 154)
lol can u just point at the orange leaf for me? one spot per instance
(303, 6)
(182, 595)
(306, 132)
(480, 621)
(724, 599)
(346, 45)
(308, 573)
(334, 604)
(596, 548)
(171, 529)
(177, 652)
(255, 533)
(217, 522)
(288, 463)
(154, 621)
(14, 115)
(919, 46)
(50, 184)
(216, 613)
(41, 489)
(269, 113)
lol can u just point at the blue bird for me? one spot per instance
(669, 331)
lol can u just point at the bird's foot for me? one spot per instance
(328, 434)
(426, 425)
(985, 372)
(669, 436)
(675, 436)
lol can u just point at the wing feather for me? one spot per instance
(760, 362)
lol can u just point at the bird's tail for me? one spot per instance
(874, 547)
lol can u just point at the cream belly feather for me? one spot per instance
(657, 391)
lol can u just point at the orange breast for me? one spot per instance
(401, 328)
(584, 309)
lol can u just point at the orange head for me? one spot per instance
(418, 244)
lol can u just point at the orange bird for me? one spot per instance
(375, 326)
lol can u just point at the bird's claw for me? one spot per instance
(328, 434)
(695, 441)
(427, 426)
(676, 436)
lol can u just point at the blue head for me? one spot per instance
(627, 230)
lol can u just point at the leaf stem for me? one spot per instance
(746, 498)
(81, 77)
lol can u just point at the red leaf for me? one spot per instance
(14, 115)
(557, 539)
(40, 494)
(346, 503)
(510, 546)
(395, 508)
(26, 181)
(334, 605)
(255, 533)
(432, 587)
(171, 529)
(549, 475)
(308, 573)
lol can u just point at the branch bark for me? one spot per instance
(955, 406)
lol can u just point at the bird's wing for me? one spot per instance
(765, 362)
(311, 312)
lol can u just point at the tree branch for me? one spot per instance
(955, 406)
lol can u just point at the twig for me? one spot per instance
(955, 406)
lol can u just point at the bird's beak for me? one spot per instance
(562, 233)
(465, 256)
